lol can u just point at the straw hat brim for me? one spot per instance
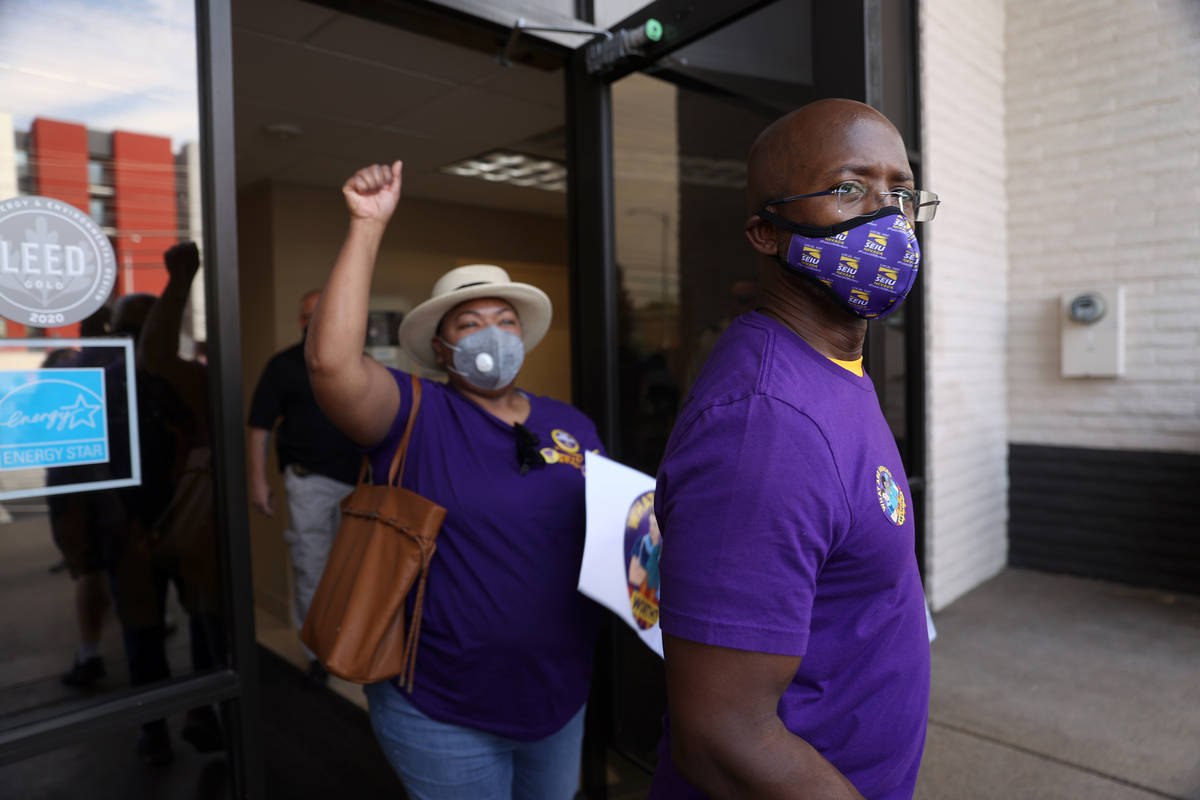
(420, 325)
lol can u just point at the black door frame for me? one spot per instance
(851, 65)
(235, 687)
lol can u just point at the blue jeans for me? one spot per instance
(442, 761)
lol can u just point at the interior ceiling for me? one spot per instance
(364, 92)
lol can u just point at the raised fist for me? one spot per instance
(372, 192)
(182, 259)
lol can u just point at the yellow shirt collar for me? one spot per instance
(854, 366)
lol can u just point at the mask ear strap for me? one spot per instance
(775, 219)
(454, 348)
(815, 232)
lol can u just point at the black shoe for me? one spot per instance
(154, 745)
(85, 673)
(202, 731)
(316, 677)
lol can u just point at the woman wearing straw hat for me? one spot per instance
(505, 655)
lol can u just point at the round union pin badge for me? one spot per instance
(891, 496)
(565, 441)
(56, 264)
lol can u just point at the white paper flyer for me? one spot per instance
(620, 557)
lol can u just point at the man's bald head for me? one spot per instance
(814, 150)
(805, 143)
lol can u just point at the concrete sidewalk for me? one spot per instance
(1047, 686)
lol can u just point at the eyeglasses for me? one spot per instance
(917, 204)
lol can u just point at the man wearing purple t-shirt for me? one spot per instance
(793, 616)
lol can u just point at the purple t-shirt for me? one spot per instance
(506, 640)
(787, 529)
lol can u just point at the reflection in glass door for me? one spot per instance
(111, 589)
(683, 266)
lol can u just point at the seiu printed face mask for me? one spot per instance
(867, 263)
(489, 358)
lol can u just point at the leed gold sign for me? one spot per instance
(56, 264)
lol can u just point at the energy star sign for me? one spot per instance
(52, 418)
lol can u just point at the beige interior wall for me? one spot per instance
(289, 237)
(424, 239)
(256, 287)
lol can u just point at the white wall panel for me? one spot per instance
(962, 84)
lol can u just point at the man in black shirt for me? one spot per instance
(319, 464)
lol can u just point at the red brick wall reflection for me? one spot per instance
(144, 199)
(59, 171)
(144, 206)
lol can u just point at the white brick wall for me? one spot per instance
(962, 85)
(1103, 134)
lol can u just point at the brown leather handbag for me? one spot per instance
(388, 535)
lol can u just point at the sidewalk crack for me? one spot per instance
(1055, 760)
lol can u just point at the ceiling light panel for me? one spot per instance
(518, 169)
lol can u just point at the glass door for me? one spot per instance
(659, 212)
(126, 639)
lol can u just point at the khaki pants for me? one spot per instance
(314, 512)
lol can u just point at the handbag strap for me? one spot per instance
(396, 471)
